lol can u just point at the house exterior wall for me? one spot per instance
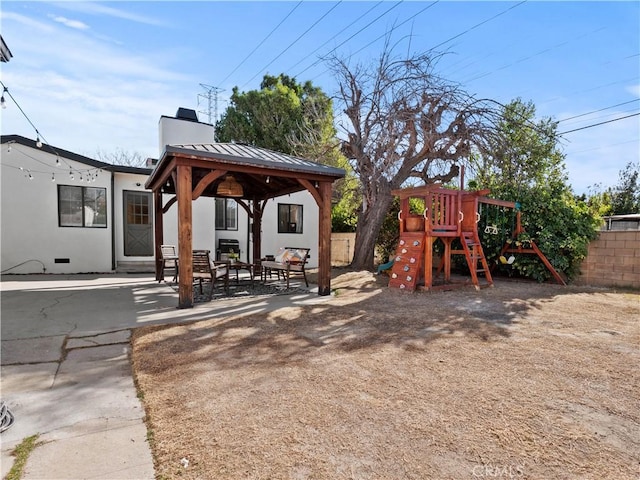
(32, 239)
(203, 234)
(30, 232)
(272, 240)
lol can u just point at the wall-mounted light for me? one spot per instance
(268, 179)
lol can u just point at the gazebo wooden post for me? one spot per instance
(324, 240)
(185, 237)
(158, 230)
(256, 225)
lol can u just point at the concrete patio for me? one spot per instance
(66, 371)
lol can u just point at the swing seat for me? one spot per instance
(507, 261)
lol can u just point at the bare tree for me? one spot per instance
(122, 157)
(403, 124)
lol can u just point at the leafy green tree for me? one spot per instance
(626, 194)
(297, 119)
(526, 166)
(598, 200)
(280, 116)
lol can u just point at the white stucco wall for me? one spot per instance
(203, 215)
(272, 240)
(29, 216)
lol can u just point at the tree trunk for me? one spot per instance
(369, 225)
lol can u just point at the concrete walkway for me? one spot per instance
(66, 372)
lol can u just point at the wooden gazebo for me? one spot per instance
(191, 171)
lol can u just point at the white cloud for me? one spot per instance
(634, 90)
(69, 23)
(84, 94)
(8, 17)
(94, 8)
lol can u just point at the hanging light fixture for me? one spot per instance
(3, 103)
(229, 187)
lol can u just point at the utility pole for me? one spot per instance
(211, 95)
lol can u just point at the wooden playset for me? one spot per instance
(448, 215)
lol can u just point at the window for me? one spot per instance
(137, 206)
(289, 218)
(82, 206)
(226, 214)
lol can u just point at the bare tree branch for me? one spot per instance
(404, 122)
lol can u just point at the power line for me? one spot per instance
(397, 26)
(600, 123)
(599, 110)
(341, 31)
(478, 25)
(529, 57)
(612, 114)
(602, 147)
(262, 42)
(293, 43)
(352, 36)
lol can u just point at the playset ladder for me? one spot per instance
(476, 260)
(408, 261)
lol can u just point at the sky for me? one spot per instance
(95, 77)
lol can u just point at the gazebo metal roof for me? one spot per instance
(262, 173)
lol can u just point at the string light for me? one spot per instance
(42, 142)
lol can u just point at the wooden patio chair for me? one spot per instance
(168, 255)
(205, 270)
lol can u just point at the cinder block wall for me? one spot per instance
(613, 260)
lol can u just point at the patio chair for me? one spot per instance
(205, 270)
(169, 255)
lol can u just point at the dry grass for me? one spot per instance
(519, 381)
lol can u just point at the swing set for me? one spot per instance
(452, 215)
(511, 244)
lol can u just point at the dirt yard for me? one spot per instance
(522, 381)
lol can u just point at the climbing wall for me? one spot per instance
(408, 261)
